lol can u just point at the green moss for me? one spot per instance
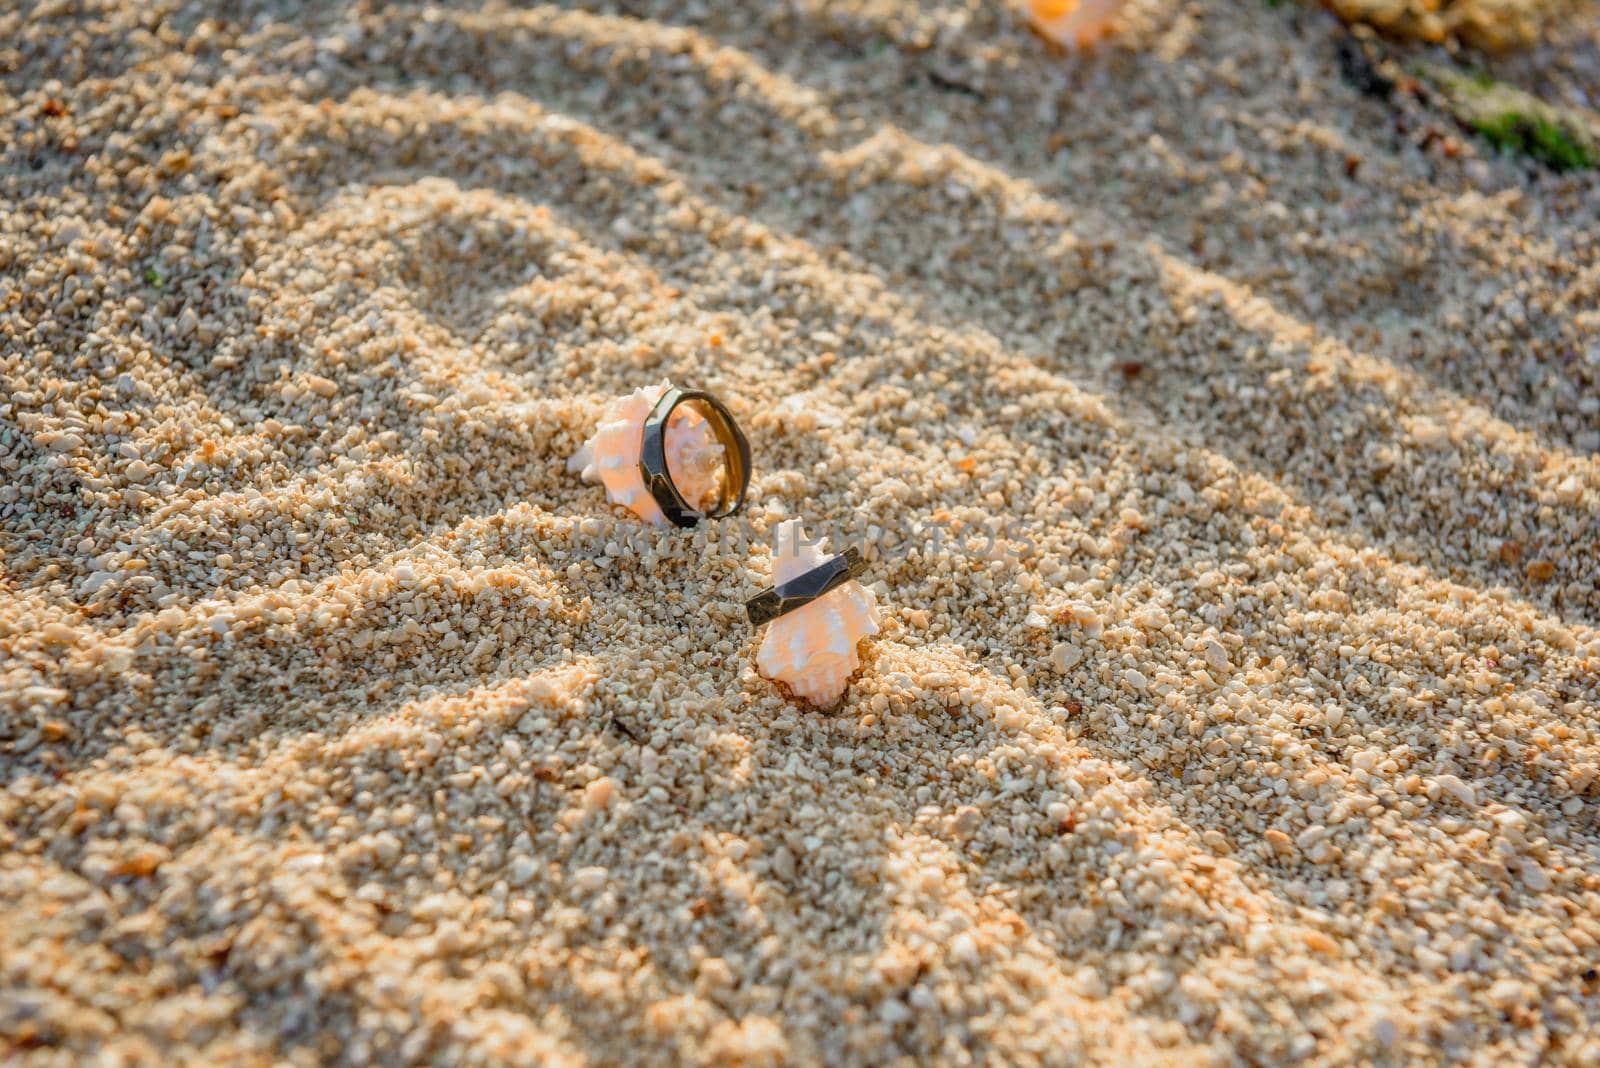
(1538, 137)
(1518, 123)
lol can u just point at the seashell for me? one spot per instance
(812, 650)
(1073, 24)
(611, 455)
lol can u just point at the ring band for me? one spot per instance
(653, 458)
(775, 601)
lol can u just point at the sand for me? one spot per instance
(1492, 24)
(340, 724)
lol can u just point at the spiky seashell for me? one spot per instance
(611, 455)
(813, 649)
(1073, 24)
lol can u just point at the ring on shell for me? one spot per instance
(669, 455)
(654, 455)
(775, 601)
(816, 613)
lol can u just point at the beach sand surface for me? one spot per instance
(1223, 438)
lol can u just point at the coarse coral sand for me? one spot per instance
(1223, 443)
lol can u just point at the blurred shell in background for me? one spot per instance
(1073, 24)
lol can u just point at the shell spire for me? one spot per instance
(611, 455)
(812, 650)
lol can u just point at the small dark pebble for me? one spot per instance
(951, 85)
(1359, 72)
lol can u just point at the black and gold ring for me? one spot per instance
(653, 458)
(775, 601)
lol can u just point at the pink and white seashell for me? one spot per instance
(611, 455)
(812, 650)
